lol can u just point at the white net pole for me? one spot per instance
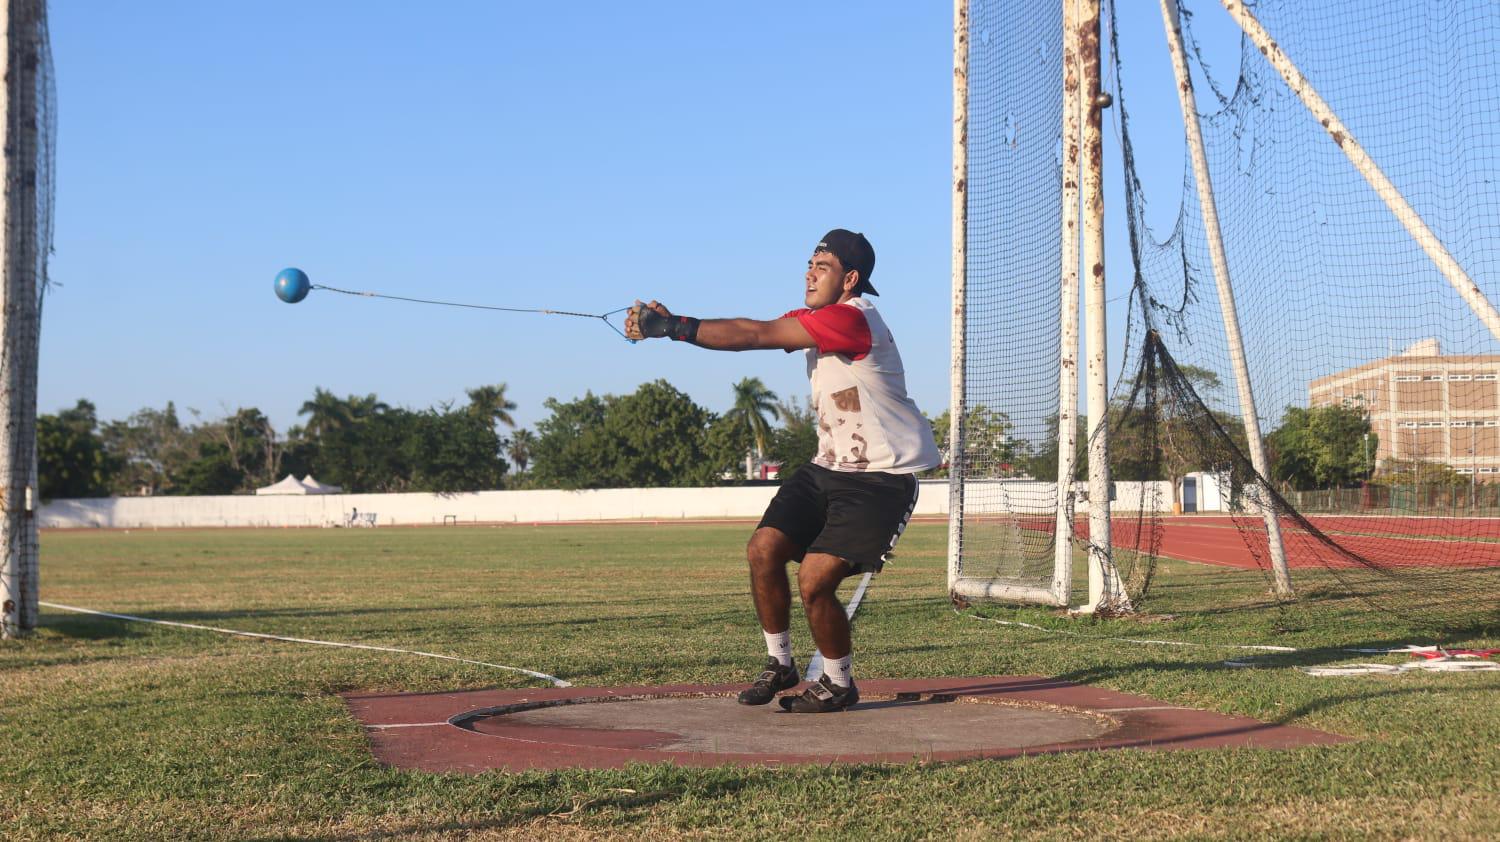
(956, 403)
(23, 24)
(1003, 539)
(1067, 393)
(1281, 576)
(1106, 592)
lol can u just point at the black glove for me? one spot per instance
(654, 325)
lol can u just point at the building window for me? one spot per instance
(1408, 378)
(1430, 424)
(1461, 378)
(1434, 378)
(1463, 423)
(1409, 425)
(1492, 423)
(1463, 470)
(1490, 377)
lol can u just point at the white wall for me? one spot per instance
(409, 509)
(1134, 496)
(475, 507)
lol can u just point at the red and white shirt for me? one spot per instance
(866, 421)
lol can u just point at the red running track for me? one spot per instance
(1406, 542)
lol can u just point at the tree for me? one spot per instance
(653, 437)
(489, 402)
(1041, 463)
(519, 448)
(1163, 428)
(1204, 381)
(795, 443)
(989, 448)
(297, 454)
(658, 437)
(566, 447)
(1320, 447)
(212, 471)
(150, 446)
(453, 451)
(326, 412)
(726, 442)
(364, 407)
(72, 461)
(752, 403)
(251, 444)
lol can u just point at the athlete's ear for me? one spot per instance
(851, 279)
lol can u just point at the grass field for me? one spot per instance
(119, 730)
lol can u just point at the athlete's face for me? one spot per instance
(827, 281)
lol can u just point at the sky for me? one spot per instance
(513, 154)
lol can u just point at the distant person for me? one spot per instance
(354, 517)
(843, 513)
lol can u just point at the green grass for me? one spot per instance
(118, 730)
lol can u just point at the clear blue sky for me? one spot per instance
(527, 155)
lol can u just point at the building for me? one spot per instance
(1425, 406)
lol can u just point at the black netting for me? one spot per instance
(1011, 394)
(1377, 388)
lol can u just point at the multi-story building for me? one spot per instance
(1423, 405)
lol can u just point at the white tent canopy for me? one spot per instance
(306, 485)
(290, 485)
(315, 487)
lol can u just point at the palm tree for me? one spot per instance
(490, 402)
(522, 442)
(362, 408)
(752, 402)
(326, 412)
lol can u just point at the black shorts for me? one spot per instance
(855, 516)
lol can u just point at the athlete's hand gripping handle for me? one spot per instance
(653, 321)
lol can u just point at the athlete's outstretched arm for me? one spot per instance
(649, 321)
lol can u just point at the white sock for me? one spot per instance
(779, 646)
(838, 670)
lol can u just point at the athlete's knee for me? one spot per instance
(818, 579)
(765, 551)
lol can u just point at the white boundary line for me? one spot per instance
(556, 682)
(1147, 641)
(1469, 663)
(1430, 665)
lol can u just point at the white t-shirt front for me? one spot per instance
(866, 421)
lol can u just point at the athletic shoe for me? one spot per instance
(823, 697)
(772, 680)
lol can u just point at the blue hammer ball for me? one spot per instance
(292, 285)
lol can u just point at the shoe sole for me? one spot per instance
(788, 704)
(772, 697)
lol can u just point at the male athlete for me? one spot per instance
(841, 514)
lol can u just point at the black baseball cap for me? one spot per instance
(855, 252)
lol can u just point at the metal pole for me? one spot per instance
(960, 197)
(1067, 381)
(1106, 592)
(21, 21)
(1259, 495)
(1414, 224)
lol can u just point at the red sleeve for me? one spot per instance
(837, 328)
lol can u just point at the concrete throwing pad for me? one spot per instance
(698, 725)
